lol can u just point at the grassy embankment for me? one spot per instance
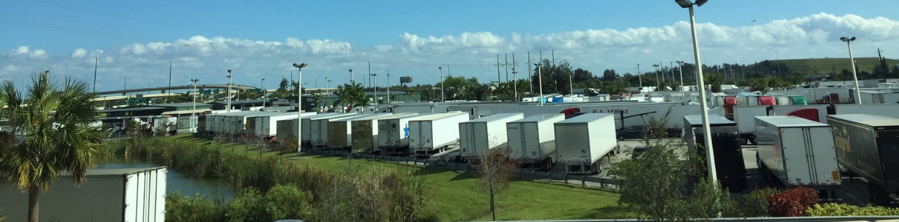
(457, 195)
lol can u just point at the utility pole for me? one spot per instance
(530, 76)
(554, 72)
(498, 78)
(229, 92)
(506, 65)
(640, 77)
(514, 78)
(680, 69)
(443, 93)
(96, 60)
(883, 65)
(263, 92)
(193, 120)
(369, 75)
(540, 77)
(169, 90)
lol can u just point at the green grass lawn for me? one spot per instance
(458, 196)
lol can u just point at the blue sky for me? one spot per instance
(261, 39)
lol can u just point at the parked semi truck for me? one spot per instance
(582, 140)
(479, 135)
(729, 165)
(793, 151)
(533, 141)
(868, 146)
(744, 116)
(431, 134)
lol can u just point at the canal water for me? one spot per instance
(176, 181)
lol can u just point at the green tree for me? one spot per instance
(652, 183)
(759, 84)
(282, 87)
(714, 80)
(351, 95)
(54, 124)
(459, 88)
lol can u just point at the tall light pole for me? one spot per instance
(299, 107)
(680, 69)
(640, 77)
(374, 77)
(858, 97)
(352, 82)
(710, 152)
(97, 60)
(658, 86)
(442, 93)
(193, 120)
(263, 92)
(328, 85)
(229, 92)
(388, 86)
(540, 81)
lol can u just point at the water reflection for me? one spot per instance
(176, 181)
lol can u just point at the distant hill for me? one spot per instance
(828, 65)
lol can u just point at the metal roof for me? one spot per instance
(868, 119)
(498, 116)
(540, 118)
(696, 120)
(790, 121)
(585, 118)
(179, 104)
(127, 109)
(185, 112)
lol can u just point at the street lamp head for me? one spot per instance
(440, 67)
(229, 71)
(299, 66)
(351, 70)
(655, 65)
(688, 3)
(701, 2)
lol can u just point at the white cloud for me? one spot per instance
(468, 53)
(79, 53)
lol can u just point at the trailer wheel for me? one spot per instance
(743, 141)
(752, 140)
(620, 138)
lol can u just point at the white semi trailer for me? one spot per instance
(798, 152)
(479, 135)
(533, 139)
(582, 140)
(433, 133)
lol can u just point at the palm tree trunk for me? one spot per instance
(34, 196)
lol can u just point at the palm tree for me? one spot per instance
(51, 135)
(351, 95)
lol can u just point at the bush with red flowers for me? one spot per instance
(792, 203)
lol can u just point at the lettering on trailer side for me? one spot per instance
(625, 111)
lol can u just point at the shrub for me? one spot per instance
(792, 203)
(835, 209)
(248, 205)
(287, 202)
(755, 203)
(192, 209)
